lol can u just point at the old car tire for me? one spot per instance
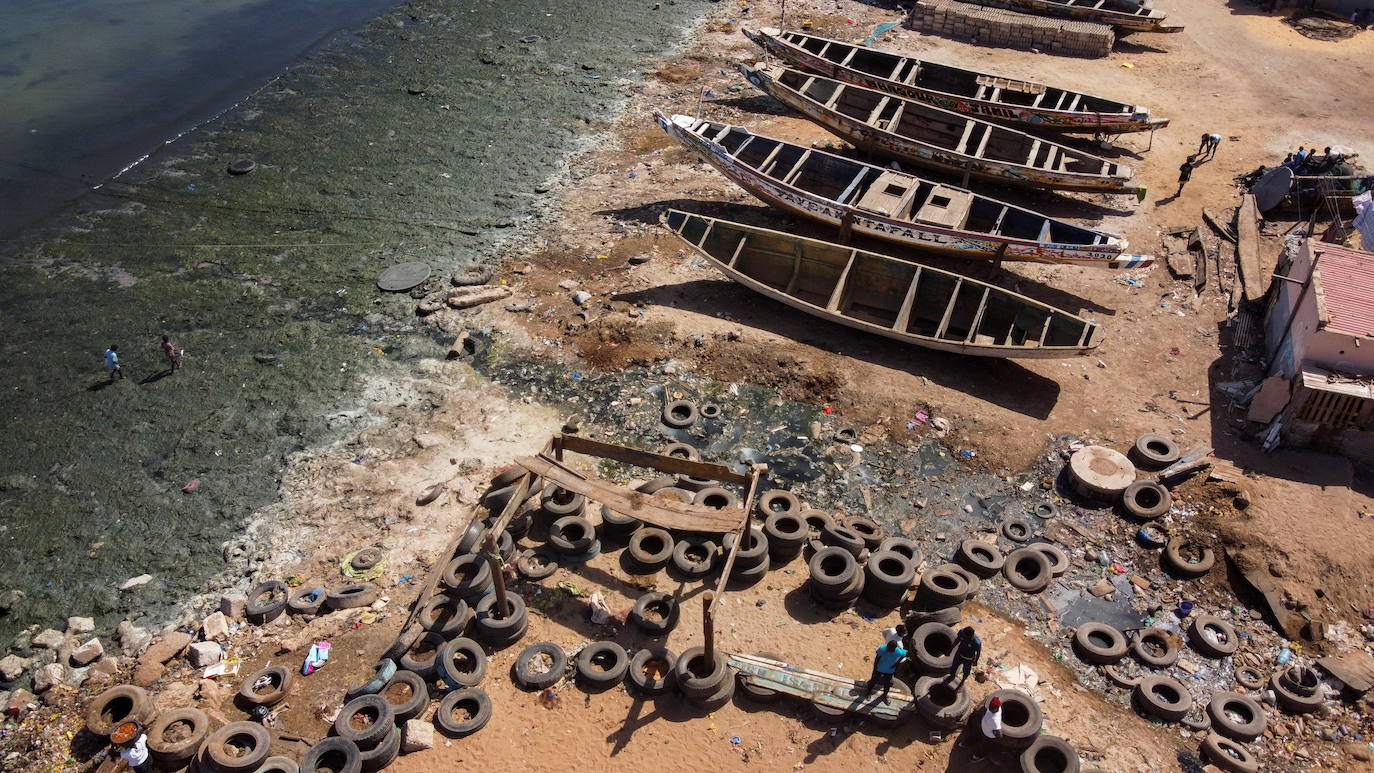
(1021, 718)
(461, 663)
(306, 600)
(1213, 637)
(1162, 697)
(445, 615)
(659, 661)
(680, 414)
(1099, 644)
(1291, 701)
(1027, 570)
(694, 557)
(501, 631)
(982, 558)
(1146, 500)
(1155, 647)
(405, 706)
(832, 569)
(932, 648)
(560, 502)
(117, 705)
(572, 535)
(1236, 716)
(381, 755)
(253, 741)
(1059, 560)
(601, 665)
(1229, 755)
(531, 679)
(651, 548)
(716, 497)
(786, 531)
(941, 703)
(352, 595)
(1153, 452)
(869, 530)
(175, 754)
(1018, 529)
(422, 656)
(695, 678)
(279, 682)
(1249, 678)
(537, 564)
(837, 535)
(778, 501)
(942, 586)
(474, 701)
(1050, 754)
(753, 549)
(1186, 567)
(369, 557)
(336, 755)
(380, 720)
(266, 602)
(656, 614)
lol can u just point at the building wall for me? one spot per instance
(1335, 351)
(1285, 361)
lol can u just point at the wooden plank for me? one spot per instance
(1355, 669)
(665, 513)
(1194, 459)
(1289, 624)
(837, 692)
(838, 293)
(1247, 235)
(583, 445)
(904, 314)
(1222, 231)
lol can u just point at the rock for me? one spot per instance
(134, 582)
(1358, 751)
(581, 297)
(10, 599)
(49, 639)
(637, 260)
(151, 664)
(12, 667)
(233, 605)
(204, 653)
(567, 284)
(80, 626)
(50, 676)
(90, 651)
(107, 666)
(419, 736)
(23, 640)
(20, 701)
(132, 639)
(465, 297)
(215, 627)
(1102, 587)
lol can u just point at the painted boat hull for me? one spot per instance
(954, 312)
(953, 242)
(1152, 21)
(897, 146)
(1028, 118)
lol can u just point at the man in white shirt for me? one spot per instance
(991, 727)
(135, 753)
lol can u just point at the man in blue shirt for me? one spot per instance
(885, 666)
(968, 648)
(112, 362)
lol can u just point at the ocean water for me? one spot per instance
(90, 86)
(430, 132)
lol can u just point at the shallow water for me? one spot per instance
(90, 86)
(428, 134)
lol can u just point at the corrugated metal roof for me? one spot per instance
(1346, 280)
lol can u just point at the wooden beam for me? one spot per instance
(665, 513)
(582, 445)
(1247, 235)
(722, 582)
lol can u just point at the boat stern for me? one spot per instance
(758, 74)
(1129, 261)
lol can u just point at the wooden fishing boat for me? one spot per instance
(1124, 15)
(890, 205)
(1027, 105)
(904, 301)
(940, 139)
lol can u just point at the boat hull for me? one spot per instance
(1148, 22)
(902, 148)
(1024, 117)
(1035, 319)
(951, 242)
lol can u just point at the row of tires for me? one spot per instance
(1103, 645)
(269, 600)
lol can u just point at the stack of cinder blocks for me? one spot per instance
(1011, 29)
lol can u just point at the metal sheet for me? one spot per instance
(664, 513)
(402, 277)
(1272, 187)
(837, 692)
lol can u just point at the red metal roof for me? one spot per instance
(1346, 280)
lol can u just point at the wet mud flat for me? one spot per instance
(435, 133)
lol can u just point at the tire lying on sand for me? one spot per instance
(337, 755)
(461, 662)
(1176, 558)
(238, 747)
(540, 665)
(602, 665)
(1146, 500)
(192, 728)
(1050, 754)
(932, 648)
(1236, 716)
(1021, 718)
(940, 703)
(277, 681)
(696, 678)
(651, 671)
(1028, 570)
(365, 721)
(407, 694)
(1153, 452)
(1229, 755)
(463, 712)
(1163, 697)
(656, 614)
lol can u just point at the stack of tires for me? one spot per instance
(942, 703)
(571, 533)
(369, 724)
(887, 577)
(238, 746)
(707, 685)
(940, 596)
(1298, 690)
(751, 559)
(787, 533)
(836, 580)
(649, 551)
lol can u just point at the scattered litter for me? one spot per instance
(316, 658)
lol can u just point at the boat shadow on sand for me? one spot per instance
(766, 217)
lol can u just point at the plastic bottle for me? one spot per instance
(1285, 655)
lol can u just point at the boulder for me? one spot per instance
(49, 639)
(153, 661)
(132, 639)
(19, 702)
(12, 667)
(90, 651)
(50, 676)
(419, 736)
(233, 605)
(215, 627)
(204, 653)
(80, 626)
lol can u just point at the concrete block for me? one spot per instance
(419, 736)
(215, 627)
(204, 653)
(80, 626)
(233, 605)
(90, 651)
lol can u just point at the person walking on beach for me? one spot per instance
(172, 354)
(968, 649)
(112, 363)
(1185, 173)
(885, 667)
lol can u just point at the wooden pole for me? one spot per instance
(497, 576)
(708, 628)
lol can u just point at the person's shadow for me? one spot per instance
(158, 376)
(1168, 200)
(99, 385)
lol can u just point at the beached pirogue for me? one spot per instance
(912, 303)
(891, 205)
(1127, 15)
(940, 139)
(1023, 104)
